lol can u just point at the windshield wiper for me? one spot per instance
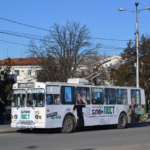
(18, 107)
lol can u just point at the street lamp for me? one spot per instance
(137, 39)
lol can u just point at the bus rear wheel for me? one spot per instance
(68, 125)
(122, 121)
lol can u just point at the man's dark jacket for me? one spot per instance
(2, 108)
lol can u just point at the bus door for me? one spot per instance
(98, 117)
(53, 107)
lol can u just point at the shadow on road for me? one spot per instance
(31, 147)
(58, 130)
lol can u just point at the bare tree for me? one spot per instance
(63, 51)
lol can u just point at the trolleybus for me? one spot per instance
(74, 104)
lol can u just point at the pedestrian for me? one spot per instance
(2, 111)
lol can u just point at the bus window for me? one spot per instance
(110, 96)
(135, 97)
(53, 99)
(83, 95)
(67, 95)
(97, 96)
(121, 96)
(18, 98)
(35, 98)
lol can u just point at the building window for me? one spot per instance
(29, 72)
(17, 72)
(37, 72)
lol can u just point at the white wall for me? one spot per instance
(23, 73)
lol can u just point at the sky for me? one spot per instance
(113, 28)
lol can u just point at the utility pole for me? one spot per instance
(137, 40)
(137, 48)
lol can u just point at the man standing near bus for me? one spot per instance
(2, 111)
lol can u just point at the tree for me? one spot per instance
(63, 51)
(125, 75)
(7, 82)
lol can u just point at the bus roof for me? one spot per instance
(43, 84)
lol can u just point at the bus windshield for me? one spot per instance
(19, 98)
(35, 98)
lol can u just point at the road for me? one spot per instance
(108, 138)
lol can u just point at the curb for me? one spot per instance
(8, 131)
(12, 131)
(146, 122)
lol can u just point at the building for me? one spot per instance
(26, 69)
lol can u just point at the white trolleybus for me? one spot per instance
(74, 104)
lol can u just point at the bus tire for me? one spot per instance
(122, 122)
(68, 125)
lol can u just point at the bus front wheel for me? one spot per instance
(68, 125)
(122, 121)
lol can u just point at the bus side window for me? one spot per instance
(53, 99)
(110, 96)
(121, 96)
(135, 97)
(83, 95)
(49, 99)
(97, 96)
(68, 95)
(56, 99)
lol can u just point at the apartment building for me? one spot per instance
(26, 69)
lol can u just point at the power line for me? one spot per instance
(14, 43)
(24, 36)
(109, 39)
(114, 49)
(37, 37)
(49, 30)
(24, 24)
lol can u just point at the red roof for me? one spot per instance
(21, 61)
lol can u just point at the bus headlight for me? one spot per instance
(11, 116)
(40, 117)
(15, 116)
(36, 117)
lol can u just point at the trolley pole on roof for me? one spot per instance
(137, 40)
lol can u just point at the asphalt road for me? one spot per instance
(108, 138)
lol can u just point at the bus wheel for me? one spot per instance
(122, 121)
(68, 125)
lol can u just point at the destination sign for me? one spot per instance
(25, 85)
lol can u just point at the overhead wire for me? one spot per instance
(37, 37)
(49, 30)
(24, 35)
(13, 43)
(24, 24)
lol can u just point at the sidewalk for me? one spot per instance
(5, 128)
